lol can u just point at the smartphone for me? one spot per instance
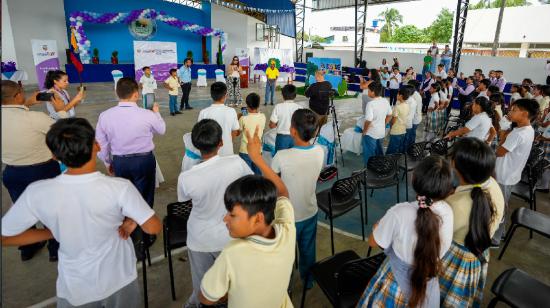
(244, 111)
(44, 97)
(83, 88)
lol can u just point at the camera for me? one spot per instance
(44, 97)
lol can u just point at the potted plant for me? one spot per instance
(190, 54)
(95, 58)
(219, 57)
(206, 59)
(114, 57)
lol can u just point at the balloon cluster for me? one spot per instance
(7, 67)
(77, 18)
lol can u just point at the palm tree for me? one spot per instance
(391, 17)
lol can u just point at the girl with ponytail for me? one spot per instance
(481, 124)
(57, 83)
(414, 236)
(478, 206)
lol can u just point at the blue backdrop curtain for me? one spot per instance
(285, 21)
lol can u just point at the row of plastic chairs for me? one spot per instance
(201, 76)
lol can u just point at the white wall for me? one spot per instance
(8, 45)
(33, 20)
(515, 69)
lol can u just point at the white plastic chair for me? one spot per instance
(116, 76)
(201, 80)
(351, 139)
(192, 155)
(219, 75)
(326, 141)
(268, 145)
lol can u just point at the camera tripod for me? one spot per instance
(235, 80)
(331, 112)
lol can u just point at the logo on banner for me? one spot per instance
(143, 28)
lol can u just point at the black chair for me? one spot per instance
(175, 233)
(415, 154)
(517, 289)
(344, 276)
(439, 147)
(532, 173)
(382, 171)
(342, 197)
(532, 220)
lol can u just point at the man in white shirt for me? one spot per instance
(205, 185)
(377, 114)
(225, 116)
(395, 82)
(97, 264)
(281, 118)
(441, 72)
(148, 85)
(482, 88)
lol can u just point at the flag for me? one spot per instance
(76, 62)
(73, 40)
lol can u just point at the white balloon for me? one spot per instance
(72, 19)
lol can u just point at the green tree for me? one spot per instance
(392, 18)
(441, 29)
(484, 4)
(409, 34)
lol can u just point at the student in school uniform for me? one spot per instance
(480, 126)
(513, 150)
(148, 85)
(378, 113)
(432, 117)
(281, 118)
(394, 84)
(478, 206)
(425, 90)
(173, 85)
(224, 115)
(97, 264)
(299, 168)
(414, 237)
(482, 88)
(205, 184)
(254, 269)
(249, 122)
(415, 101)
(399, 122)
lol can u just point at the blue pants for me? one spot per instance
(17, 178)
(250, 164)
(396, 144)
(269, 92)
(140, 170)
(306, 234)
(393, 96)
(410, 136)
(173, 103)
(447, 63)
(283, 142)
(371, 147)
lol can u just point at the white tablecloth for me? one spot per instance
(17, 76)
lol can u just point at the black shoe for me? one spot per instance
(53, 258)
(265, 104)
(271, 104)
(544, 191)
(178, 112)
(188, 108)
(172, 114)
(30, 250)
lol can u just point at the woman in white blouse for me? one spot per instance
(57, 83)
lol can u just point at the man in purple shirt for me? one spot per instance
(500, 82)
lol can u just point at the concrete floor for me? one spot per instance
(33, 282)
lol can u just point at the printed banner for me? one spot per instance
(244, 59)
(331, 66)
(45, 57)
(159, 56)
(262, 55)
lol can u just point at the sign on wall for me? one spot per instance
(159, 56)
(242, 53)
(46, 58)
(143, 28)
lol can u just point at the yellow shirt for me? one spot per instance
(249, 123)
(272, 73)
(173, 83)
(401, 111)
(24, 136)
(461, 203)
(255, 271)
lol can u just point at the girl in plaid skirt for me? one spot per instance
(414, 236)
(432, 117)
(478, 207)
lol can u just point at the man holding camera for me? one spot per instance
(24, 149)
(319, 97)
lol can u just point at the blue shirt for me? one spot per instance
(184, 74)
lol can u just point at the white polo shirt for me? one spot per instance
(518, 143)
(227, 118)
(84, 213)
(394, 84)
(479, 126)
(418, 114)
(376, 112)
(205, 185)
(282, 114)
(148, 84)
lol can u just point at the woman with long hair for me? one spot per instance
(414, 236)
(478, 206)
(234, 82)
(57, 83)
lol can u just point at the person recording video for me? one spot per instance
(319, 96)
(234, 82)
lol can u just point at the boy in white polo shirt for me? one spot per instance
(225, 116)
(281, 116)
(513, 151)
(148, 85)
(299, 167)
(97, 264)
(254, 269)
(205, 185)
(377, 114)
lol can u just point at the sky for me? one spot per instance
(420, 13)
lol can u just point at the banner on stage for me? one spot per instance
(46, 58)
(244, 58)
(262, 55)
(331, 66)
(159, 56)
